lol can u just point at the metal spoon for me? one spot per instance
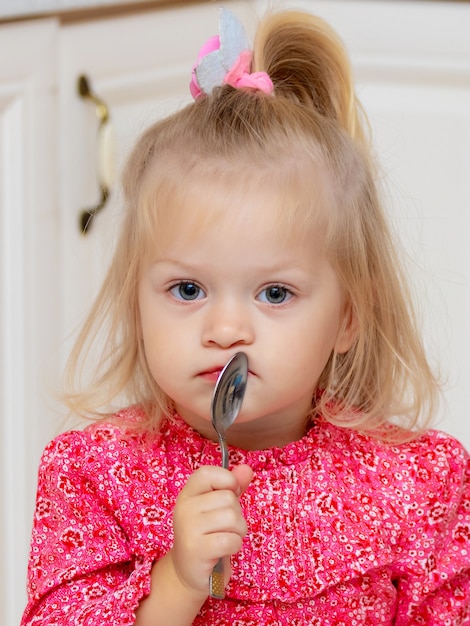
(226, 403)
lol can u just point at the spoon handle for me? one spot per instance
(224, 451)
(217, 581)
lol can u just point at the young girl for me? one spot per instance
(253, 224)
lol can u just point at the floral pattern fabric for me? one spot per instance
(343, 530)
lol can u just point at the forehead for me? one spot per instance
(290, 205)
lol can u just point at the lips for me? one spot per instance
(212, 374)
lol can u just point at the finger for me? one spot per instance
(220, 500)
(219, 545)
(224, 519)
(244, 475)
(210, 478)
(211, 512)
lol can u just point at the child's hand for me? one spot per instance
(208, 523)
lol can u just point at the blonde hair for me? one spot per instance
(313, 120)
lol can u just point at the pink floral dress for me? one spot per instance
(343, 529)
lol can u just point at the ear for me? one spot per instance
(348, 331)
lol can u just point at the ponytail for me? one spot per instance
(308, 64)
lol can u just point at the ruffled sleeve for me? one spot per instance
(434, 582)
(82, 568)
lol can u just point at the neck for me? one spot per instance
(256, 436)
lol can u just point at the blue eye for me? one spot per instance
(187, 290)
(275, 294)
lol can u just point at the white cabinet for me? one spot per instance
(412, 63)
(28, 280)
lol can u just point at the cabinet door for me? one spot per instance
(28, 280)
(412, 65)
(140, 66)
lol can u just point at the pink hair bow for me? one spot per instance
(226, 60)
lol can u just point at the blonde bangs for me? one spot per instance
(199, 192)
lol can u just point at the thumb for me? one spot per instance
(244, 475)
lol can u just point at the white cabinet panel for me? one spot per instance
(28, 219)
(423, 131)
(18, 8)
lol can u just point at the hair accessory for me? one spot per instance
(225, 59)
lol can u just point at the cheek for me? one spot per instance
(166, 347)
(155, 347)
(304, 359)
(315, 335)
(161, 368)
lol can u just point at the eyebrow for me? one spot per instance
(175, 262)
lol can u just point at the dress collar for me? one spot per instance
(203, 451)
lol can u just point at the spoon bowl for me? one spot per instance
(228, 397)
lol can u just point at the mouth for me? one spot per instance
(212, 374)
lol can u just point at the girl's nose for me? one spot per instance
(227, 325)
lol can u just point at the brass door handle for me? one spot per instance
(105, 154)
